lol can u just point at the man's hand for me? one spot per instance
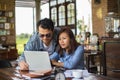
(23, 65)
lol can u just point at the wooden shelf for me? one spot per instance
(7, 29)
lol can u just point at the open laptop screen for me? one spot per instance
(38, 60)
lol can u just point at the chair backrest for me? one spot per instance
(111, 59)
(5, 64)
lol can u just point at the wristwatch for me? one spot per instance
(60, 76)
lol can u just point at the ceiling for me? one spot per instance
(28, 3)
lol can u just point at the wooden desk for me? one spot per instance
(3, 53)
(9, 54)
(9, 73)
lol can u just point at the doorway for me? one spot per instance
(24, 26)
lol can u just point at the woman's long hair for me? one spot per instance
(73, 43)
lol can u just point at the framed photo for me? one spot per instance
(8, 32)
(12, 26)
(2, 32)
(1, 25)
(10, 39)
(3, 38)
(7, 25)
(6, 13)
(3, 19)
(2, 13)
(10, 19)
(10, 14)
(2, 6)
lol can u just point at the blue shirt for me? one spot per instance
(36, 44)
(71, 61)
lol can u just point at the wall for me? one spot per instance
(99, 11)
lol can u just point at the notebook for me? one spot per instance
(38, 61)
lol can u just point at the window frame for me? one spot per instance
(65, 4)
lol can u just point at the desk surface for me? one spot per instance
(10, 73)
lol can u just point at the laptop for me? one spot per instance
(39, 63)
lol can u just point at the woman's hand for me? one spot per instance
(56, 63)
(23, 65)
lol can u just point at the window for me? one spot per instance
(71, 15)
(54, 15)
(61, 1)
(52, 2)
(24, 21)
(62, 12)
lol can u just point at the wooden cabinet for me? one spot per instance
(111, 59)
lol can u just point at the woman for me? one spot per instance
(70, 54)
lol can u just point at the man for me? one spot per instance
(43, 40)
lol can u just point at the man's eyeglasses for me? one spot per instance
(45, 35)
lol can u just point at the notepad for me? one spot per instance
(38, 60)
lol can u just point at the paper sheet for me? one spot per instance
(68, 73)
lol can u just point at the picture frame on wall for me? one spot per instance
(3, 38)
(8, 32)
(7, 25)
(2, 13)
(2, 32)
(3, 6)
(3, 19)
(10, 14)
(1, 25)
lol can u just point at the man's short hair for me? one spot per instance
(46, 24)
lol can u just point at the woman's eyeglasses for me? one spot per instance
(45, 35)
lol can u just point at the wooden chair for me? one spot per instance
(13, 54)
(111, 55)
(93, 61)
